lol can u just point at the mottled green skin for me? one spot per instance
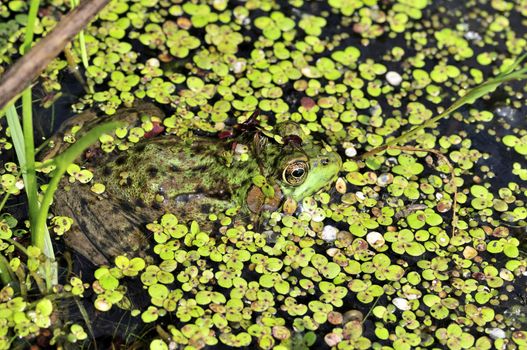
(194, 173)
(189, 178)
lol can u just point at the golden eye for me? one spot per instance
(295, 172)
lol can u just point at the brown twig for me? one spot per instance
(22, 73)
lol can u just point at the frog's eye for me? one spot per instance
(295, 172)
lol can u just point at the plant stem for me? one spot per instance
(28, 166)
(18, 245)
(74, 67)
(36, 275)
(4, 201)
(31, 19)
(82, 42)
(87, 320)
(21, 276)
(38, 231)
(512, 73)
(472, 95)
(29, 150)
(52, 297)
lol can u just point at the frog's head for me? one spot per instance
(303, 172)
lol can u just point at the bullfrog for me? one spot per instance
(190, 177)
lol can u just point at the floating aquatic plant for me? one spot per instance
(408, 232)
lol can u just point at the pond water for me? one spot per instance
(376, 260)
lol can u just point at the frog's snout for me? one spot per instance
(333, 163)
(335, 158)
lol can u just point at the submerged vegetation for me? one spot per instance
(420, 243)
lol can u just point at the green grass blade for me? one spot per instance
(13, 122)
(31, 19)
(28, 163)
(19, 142)
(82, 41)
(29, 149)
(21, 148)
(84, 52)
(17, 136)
(514, 65)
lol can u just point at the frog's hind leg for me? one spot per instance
(103, 228)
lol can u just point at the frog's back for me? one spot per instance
(188, 178)
(167, 171)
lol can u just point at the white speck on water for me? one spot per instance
(329, 233)
(153, 62)
(375, 239)
(496, 333)
(394, 78)
(506, 112)
(401, 304)
(238, 66)
(19, 184)
(472, 35)
(350, 152)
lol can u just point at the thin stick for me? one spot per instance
(511, 74)
(34, 62)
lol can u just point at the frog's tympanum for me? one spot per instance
(191, 178)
